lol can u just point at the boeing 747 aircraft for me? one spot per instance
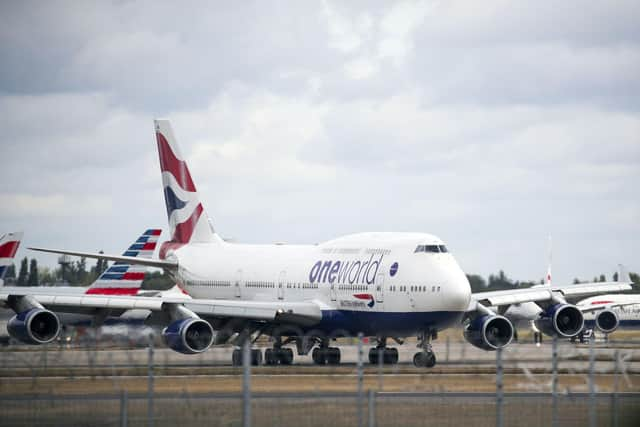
(384, 285)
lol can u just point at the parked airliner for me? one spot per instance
(385, 285)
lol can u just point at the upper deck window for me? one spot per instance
(430, 248)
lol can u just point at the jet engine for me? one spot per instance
(489, 332)
(607, 321)
(188, 336)
(564, 320)
(34, 326)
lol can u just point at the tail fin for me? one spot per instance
(9, 244)
(548, 281)
(623, 274)
(188, 222)
(126, 279)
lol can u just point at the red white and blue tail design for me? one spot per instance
(188, 222)
(126, 279)
(9, 244)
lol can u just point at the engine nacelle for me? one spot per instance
(188, 336)
(564, 320)
(607, 321)
(489, 332)
(35, 326)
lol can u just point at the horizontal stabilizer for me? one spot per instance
(158, 263)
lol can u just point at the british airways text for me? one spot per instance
(345, 272)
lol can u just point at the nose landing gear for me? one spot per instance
(426, 358)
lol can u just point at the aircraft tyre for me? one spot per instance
(424, 359)
(274, 356)
(256, 357)
(328, 355)
(389, 355)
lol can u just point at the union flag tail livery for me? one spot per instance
(126, 279)
(188, 222)
(9, 244)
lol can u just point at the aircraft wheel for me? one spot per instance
(270, 357)
(424, 359)
(236, 358)
(318, 356)
(333, 355)
(256, 357)
(286, 356)
(390, 356)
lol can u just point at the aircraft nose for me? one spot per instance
(458, 293)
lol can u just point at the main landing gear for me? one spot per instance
(256, 357)
(325, 354)
(278, 354)
(389, 355)
(426, 358)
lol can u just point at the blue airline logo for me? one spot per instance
(346, 272)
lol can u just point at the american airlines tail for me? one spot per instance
(9, 244)
(188, 221)
(126, 279)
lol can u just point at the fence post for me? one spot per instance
(380, 368)
(150, 384)
(372, 408)
(554, 381)
(246, 382)
(360, 379)
(499, 388)
(124, 407)
(592, 385)
(614, 403)
(448, 347)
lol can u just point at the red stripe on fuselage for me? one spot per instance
(112, 291)
(600, 302)
(363, 296)
(170, 163)
(9, 249)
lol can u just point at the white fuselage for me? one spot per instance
(372, 281)
(628, 314)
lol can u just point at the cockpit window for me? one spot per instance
(443, 249)
(430, 248)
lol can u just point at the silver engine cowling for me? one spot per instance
(489, 332)
(34, 326)
(564, 320)
(607, 321)
(188, 336)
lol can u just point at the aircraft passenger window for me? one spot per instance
(433, 289)
(438, 288)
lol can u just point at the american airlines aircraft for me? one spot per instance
(384, 285)
(9, 244)
(119, 279)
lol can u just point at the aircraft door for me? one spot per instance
(379, 292)
(281, 283)
(238, 283)
(332, 292)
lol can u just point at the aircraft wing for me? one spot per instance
(302, 313)
(159, 263)
(544, 293)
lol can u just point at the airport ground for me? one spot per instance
(105, 384)
(461, 368)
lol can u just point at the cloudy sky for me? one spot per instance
(491, 124)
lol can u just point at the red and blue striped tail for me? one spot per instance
(126, 279)
(188, 222)
(9, 244)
